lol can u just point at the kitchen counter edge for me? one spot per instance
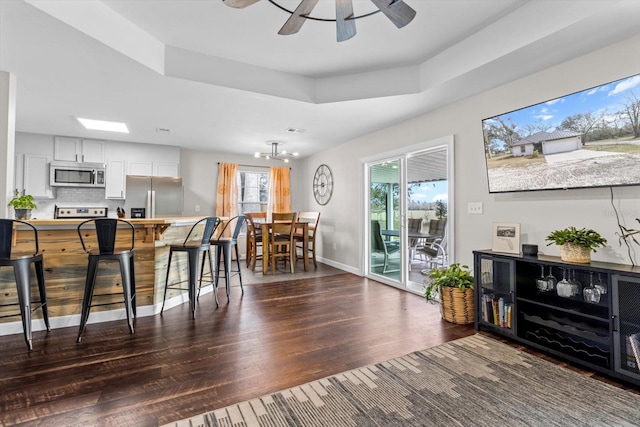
(135, 221)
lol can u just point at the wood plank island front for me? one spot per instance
(65, 266)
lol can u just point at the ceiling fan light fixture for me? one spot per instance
(275, 154)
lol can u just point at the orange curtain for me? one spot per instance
(227, 192)
(279, 190)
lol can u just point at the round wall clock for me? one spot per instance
(323, 184)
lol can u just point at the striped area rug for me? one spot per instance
(473, 381)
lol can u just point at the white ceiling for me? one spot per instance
(222, 79)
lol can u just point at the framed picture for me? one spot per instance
(506, 237)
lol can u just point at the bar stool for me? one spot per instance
(193, 248)
(106, 232)
(223, 249)
(21, 264)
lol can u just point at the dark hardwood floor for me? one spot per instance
(277, 335)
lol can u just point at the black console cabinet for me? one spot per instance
(603, 336)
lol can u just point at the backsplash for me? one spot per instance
(75, 197)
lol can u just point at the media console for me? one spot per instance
(516, 297)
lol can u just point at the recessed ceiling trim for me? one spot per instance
(98, 21)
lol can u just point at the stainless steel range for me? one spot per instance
(80, 212)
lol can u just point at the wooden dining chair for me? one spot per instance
(254, 238)
(313, 218)
(281, 243)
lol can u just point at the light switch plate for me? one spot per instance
(474, 208)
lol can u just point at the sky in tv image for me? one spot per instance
(589, 138)
(603, 102)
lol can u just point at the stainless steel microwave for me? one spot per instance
(74, 174)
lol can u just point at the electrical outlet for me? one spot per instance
(474, 208)
(335, 246)
(197, 208)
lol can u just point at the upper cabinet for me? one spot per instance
(167, 169)
(127, 158)
(33, 152)
(78, 150)
(140, 167)
(32, 175)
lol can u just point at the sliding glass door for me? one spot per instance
(408, 215)
(386, 256)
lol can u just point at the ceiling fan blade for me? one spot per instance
(297, 18)
(397, 11)
(239, 4)
(345, 25)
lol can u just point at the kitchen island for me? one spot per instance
(65, 266)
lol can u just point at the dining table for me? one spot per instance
(300, 224)
(411, 234)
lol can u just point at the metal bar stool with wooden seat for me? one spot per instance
(21, 264)
(108, 237)
(223, 246)
(193, 247)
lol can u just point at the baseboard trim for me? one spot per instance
(340, 266)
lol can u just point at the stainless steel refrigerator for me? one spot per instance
(159, 196)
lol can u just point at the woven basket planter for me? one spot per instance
(457, 305)
(574, 253)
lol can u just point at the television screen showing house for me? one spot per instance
(589, 138)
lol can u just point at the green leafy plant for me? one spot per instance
(584, 237)
(22, 202)
(455, 276)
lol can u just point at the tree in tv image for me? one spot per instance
(589, 138)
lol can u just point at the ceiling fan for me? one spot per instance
(397, 11)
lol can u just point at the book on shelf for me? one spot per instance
(634, 342)
(496, 310)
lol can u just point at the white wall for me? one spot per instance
(199, 171)
(537, 212)
(7, 138)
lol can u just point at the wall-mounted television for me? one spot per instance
(585, 139)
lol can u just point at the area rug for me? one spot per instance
(473, 381)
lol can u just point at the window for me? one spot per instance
(253, 191)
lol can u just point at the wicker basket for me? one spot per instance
(457, 305)
(574, 253)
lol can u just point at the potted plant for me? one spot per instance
(22, 205)
(576, 245)
(454, 284)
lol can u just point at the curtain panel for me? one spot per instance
(227, 191)
(279, 190)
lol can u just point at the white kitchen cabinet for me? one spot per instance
(166, 169)
(115, 185)
(35, 175)
(78, 150)
(92, 151)
(140, 167)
